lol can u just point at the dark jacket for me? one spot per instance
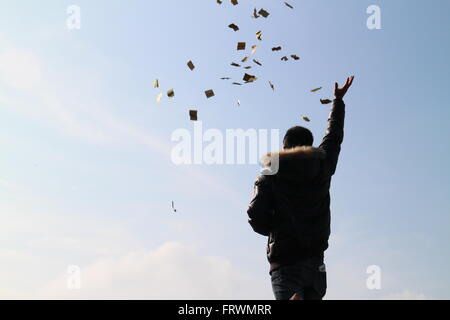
(293, 206)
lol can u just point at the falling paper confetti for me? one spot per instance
(245, 59)
(264, 13)
(257, 62)
(239, 102)
(237, 84)
(156, 83)
(254, 47)
(225, 78)
(255, 14)
(171, 93)
(191, 65)
(234, 27)
(306, 119)
(219, 1)
(295, 57)
(241, 46)
(259, 35)
(248, 67)
(209, 93)
(235, 64)
(173, 207)
(285, 58)
(193, 115)
(317, 89)
(272, 86)
(325, 101)
(234, 2)
(276, 48)
(158, 99)
(288, 5)
(249, 78)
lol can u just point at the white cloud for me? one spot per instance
(172, 271)
(20, 69)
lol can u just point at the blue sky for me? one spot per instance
(86, 176)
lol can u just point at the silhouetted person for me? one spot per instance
(292, 207)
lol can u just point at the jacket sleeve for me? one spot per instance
(334, 136)
(261, 208)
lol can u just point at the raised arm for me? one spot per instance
(335, 132)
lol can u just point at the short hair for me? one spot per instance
(297, 137)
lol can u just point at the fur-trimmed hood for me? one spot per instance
(299, 161)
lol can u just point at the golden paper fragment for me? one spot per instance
(193, 114)
(241, 46)
(191, 66)
(316, 89)
(171, 93)
(209, 93)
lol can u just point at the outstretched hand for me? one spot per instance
(339, 93)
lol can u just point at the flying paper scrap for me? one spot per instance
(254, 47)
(317, 89)
(241, 46)
(259, 35)
(295, 57)
(234, 64)
(264, 13)
(306, 119)
(234, 27)
(159, 97)
(156, 83)
(276, 48)
(325, 101)
(234, 2)
(285, 58)
(249, 78)
(171, 93)
(191, 65)
(209, 93)
(271, 85)
(193, 116)
(288, 5)
(257, 62)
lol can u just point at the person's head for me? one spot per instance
(297, 137)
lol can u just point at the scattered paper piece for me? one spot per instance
(317, 89)
(191, 66)
(276, 48)
(245, 59)
(234, 27)
(248, 67)
(237, 84)
(255, 14)
(288, 5)
(257, 62)
(285, 58)
(239, 102)
(249, 78)
(325, 101)
(264, 13)
(156, 83)
(173, 204)
(234, 2)
(241, 46)
(259, 35)
(225, 78)
(271, 85)
(295, 57)
(254, 47)
(234, 64)
(306, 119)
(158, 98)
(209, 93)
(193, 116)
(171, 93)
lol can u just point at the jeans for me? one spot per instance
(306, 278)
